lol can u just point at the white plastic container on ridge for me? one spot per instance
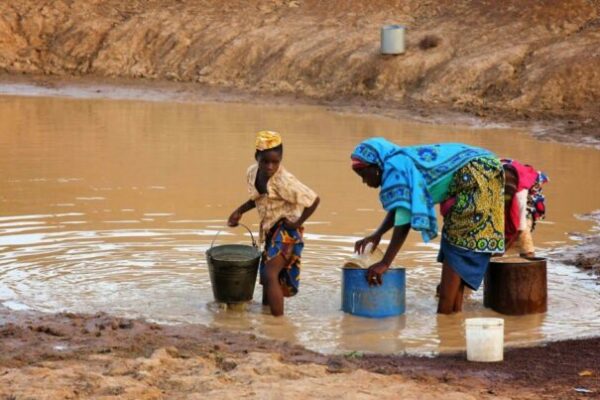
(485, 339)
(392, 39)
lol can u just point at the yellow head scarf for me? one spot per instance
(266, 140)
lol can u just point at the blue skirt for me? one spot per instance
(469, 265)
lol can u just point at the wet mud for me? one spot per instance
(78, 356)
(586, 254)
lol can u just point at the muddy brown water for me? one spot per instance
(110, 205)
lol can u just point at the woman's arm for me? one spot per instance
(376, 271)
(234, 218)
(375, 237)
(386, 224)
(306, 213)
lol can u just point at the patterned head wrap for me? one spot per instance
(266, 140)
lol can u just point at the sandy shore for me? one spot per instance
(72, 356)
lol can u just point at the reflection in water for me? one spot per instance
(371, 335)
(446, 327)
(110, 205)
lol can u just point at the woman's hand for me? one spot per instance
(359, 246)
(234, 218)
(291, 225)
(375, 273)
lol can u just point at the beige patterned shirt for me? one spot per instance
(286, 197)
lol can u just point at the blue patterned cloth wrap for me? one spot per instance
(408, 172)
(288, 243)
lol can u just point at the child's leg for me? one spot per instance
(451, 291)
(272, 291)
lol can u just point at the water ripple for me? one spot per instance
(162, 274)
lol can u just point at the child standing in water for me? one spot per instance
(283, 204)
(524, 204)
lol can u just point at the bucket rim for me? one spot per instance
(534, 258)
(233, 244)
(245, 246)
(256, 253)
(393, 27)
(346, 267)
(484, 321)
(525, 260)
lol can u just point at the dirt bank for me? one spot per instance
(75, 356)
(518, 60)
(586, 254)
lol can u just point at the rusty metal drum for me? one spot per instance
(516, 285)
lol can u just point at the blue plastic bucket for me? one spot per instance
(387, 300)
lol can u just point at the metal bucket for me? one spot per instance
(387, 300)
(392, 39)
(233, 269)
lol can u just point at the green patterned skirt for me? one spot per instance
(476, 220)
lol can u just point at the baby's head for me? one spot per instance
(269, 151)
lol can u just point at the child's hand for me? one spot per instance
(234, 218)
(359, 246)
(291, 225)
(375, 273)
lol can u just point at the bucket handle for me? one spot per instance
(248, 229)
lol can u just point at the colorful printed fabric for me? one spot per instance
(286, 197)
(531, 180)
(536, 202)
(266, 140)
(526, 174)
(289, 244)
(408, 172)
(475, 221)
